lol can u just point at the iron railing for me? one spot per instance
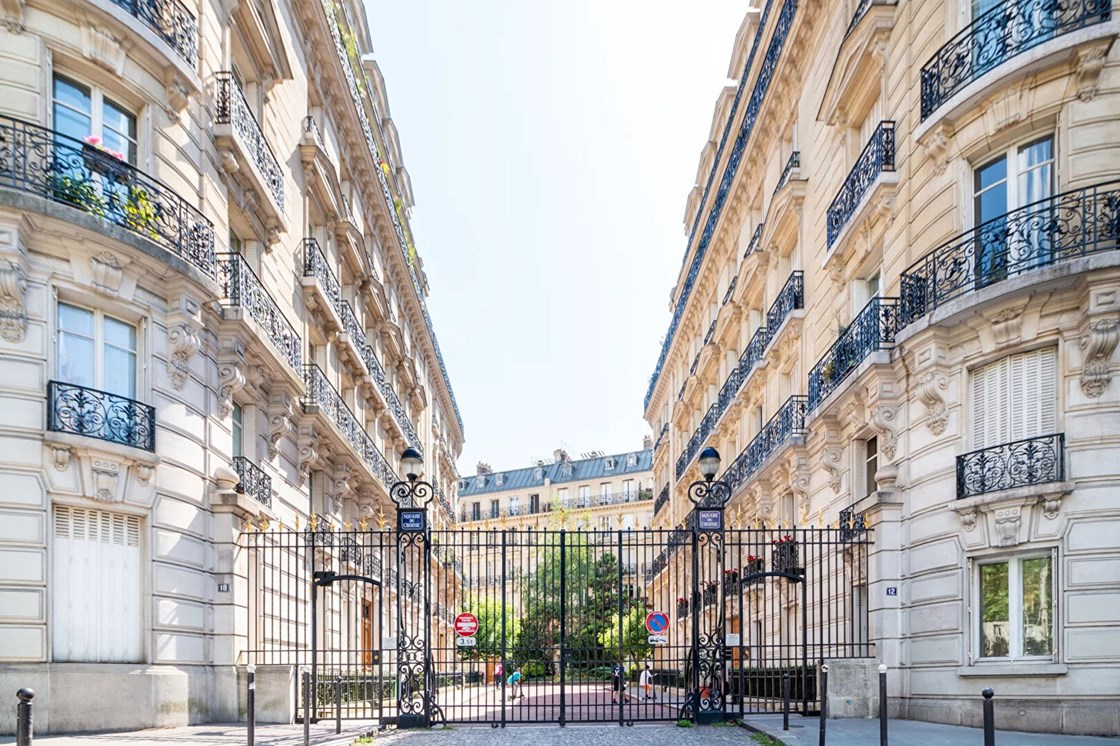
(787, 172)
(862, 9)
(315, 265)
(756, 240)
(710, 333)
(322, 394)
(752, 353)
(233, 109)
(877, 157)
(790, 298)
(243, 289)
(661, 436)
(852, 524)
(787, 422)
(63, 169)
(730, 289)
(695, 364)
(169, 20)
(1002, 33)
(254, 482)
(662, 500)
(80, 410)
(1021, 463)
(1067, 226)
(728, 391)
(874, 327)
(735, 158)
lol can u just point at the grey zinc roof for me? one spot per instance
(534, 476)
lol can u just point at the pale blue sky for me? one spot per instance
(551, 147)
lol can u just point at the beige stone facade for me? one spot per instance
(212, 316)
(899, 308)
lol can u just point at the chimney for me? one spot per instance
(647, 442)
(560, 455)
(484, 468)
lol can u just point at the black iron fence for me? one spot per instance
(1003, 32)
(169, 20)
(1021, 463)
(80, 410)
(873, 328)
(64, 169)
(877, 157)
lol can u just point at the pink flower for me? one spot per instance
(93, 140)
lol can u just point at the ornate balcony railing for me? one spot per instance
(351, 326)
(680, 394)
(1021, 463)
(874, 327)
(232, 108)
(876, 158)
(63, 169)
(243, 289)
(80, 410)
(788, 421)
(739, 143)
(661, 436)
(254, 482)
(169, 20)
(793, 162)
(861, 11)
(1067, 226)
(321, 393)
(730, 289)
(695, 364)
(661, 501)
(710, 333)
(852, 524)
(1000, 34)
(756, 240)
(315, 265)
(752, 353)
(790, 298)
(444, 504)
(784, 557)
(728, 390)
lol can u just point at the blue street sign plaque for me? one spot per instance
(411, 520)
(710, 520)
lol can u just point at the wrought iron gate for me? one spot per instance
(565, 607)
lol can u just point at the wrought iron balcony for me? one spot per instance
(877, 157)
(790, 298)
(728, 390)
(322, 394)
(62, 169)
(351, 327)
(852, 524)
(730, 289)
(80, 410)
(1067, 226)
(243, 289)
(752, 353)
(874, 327)
(444, 504)
(710, 333)
(169, 20)
(661, 436)
(661, 501)
(787, 172)
(739, 141)
(1002, 33)
(695, 364)
(756, 240)
(233, 109)
(1021, 463)
(862, 9)
(784, 556)
(787, 422)
(315, 265)
(254, 482)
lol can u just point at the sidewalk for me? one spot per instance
(322, 734)
(863, 732)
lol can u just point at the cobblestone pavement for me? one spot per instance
(209, 735)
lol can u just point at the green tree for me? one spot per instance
(635, 637)
(489, 636)
(599, 605)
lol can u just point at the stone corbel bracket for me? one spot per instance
(183, 341)
(1097, 345)
(281, 420)
(930, 391)
(884, 421)
(13, 302)
(1012, 517)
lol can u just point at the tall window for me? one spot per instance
(534, 503)
(82, 111)
(96, 594)
(515, 506)
(238, 430)
(584, 495)
(96, 350)
(562, 496)
(1020, 176)
(1015, 398)
(604, 492)
(1015, 602)
(495, 509)
(476, 511)
(866, 464)
(628, 489)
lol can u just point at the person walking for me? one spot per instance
(498, 676)
(646, 680)
(616, 674)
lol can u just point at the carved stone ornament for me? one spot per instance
(1007, 524)
(13, 15)
(231, 379)
(281, 414)
(176, 99)
(106, 478)
(104, 49)
(1098, 344)
(60, 455)
(1007, 326)
(1090, 62)
(1051, 506)
(309, 456)
(182, 342)
(107, 273)
(883, 421)
(144, 473)
(931, 392)
(936, 145)
(968, 519)
(342, 477)
(799, 477)
(13, 308)
(832, 459)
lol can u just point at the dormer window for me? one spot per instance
(498, 480)
(481, 481)
(632, 459)
(610, 464)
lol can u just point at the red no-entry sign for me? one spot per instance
(466, 624)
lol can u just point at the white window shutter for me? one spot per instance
(1015, 398)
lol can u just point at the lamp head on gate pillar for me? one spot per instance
(411, 463)
(709, 463)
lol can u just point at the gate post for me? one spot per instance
(502, 660)
(563, 622)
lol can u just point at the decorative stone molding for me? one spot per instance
(231, 378)
(936, 145)
(144, 473)
(176, 99)
(104, 49)
(1098, 343)
(106, 480)
(1007, 326)
(930, 391)
(366, 501)
(309, 452)
(1051, 505)
(1090, 62)
(342, 477)
(799, 477)
(968, 518)
(1008, 522)
(886, 477)
(12, 11)
(13, 303)
(182, 342)
(60, 455)
(281, 416)
(106, 273)
(883, 421)
(1012, 517)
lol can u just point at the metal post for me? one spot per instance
(621, 661)
(785, 701)
(24, 725)
(505, 641)
(563, 623)
(337, 704)
(824, 701)
(306, 708)
(251, 705)
(882, 705)
(989, 718)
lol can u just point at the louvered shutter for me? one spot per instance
(1015, 398)
(96, 586)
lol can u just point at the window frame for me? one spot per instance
(1010, 155)
(97, 99)
(1015, 607)
(99, 343)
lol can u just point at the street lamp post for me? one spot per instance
(709, 497)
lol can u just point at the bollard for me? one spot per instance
(306, 708)
(785, 701)
(989, 718)
(824, 700)
(882, 705)
(24, 727)
(251, 704)
(337, 704)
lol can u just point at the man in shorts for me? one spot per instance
(514, 683)
(646, 681)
